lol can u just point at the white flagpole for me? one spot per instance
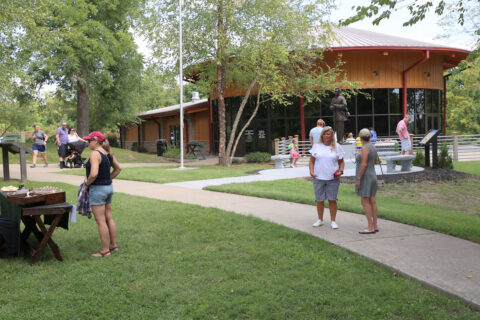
(181, 86)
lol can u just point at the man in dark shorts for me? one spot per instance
(62, 142)
(39, 139)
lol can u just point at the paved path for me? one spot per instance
(437, 260)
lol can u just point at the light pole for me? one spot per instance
(181, 84)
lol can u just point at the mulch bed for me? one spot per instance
(431, 175)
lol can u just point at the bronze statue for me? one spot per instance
(340, 112)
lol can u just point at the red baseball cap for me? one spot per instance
(95, 135)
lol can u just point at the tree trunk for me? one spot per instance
(221, 83)
(82, 102)
(233, 133)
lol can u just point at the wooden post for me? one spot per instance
(6, 169)
(277, 143)
(283, 144)
(23, 165)
(455, 146)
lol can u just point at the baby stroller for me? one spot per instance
(74, 154)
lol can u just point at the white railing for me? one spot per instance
(460, 147)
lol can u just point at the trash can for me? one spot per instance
(161, 146)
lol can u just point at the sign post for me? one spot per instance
(431, 138)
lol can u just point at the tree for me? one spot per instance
(270, 48)
(382, 9)
(79, 45)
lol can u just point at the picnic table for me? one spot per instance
(195, 149)
(52, 207)
(14, 147)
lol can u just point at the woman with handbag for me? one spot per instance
(366, 181)
(100, 190)
(326, 167)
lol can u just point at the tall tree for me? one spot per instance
(78, 45)
(261, 47)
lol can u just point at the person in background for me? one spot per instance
(403, 134)
(39, 139)
(99, 187)
(350, 138)
(373, 135)
(73, 136)
(366, 181)
(61, 140)
(293, 147)
(326, 167)
(358, 145)
(314, 135)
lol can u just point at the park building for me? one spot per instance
(399, 76)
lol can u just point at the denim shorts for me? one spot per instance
(39, 148)
(100, 195)
(326, 189)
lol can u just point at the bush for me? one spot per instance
(257, 157)
(444, 159)
(172, 152)
(113, 139)
(419, 160)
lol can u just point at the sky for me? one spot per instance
(426, 30)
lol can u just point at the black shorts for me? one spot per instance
(62, 151)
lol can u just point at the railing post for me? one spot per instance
(277, 144)
(283, 144)
(412, 142)
(455, 147)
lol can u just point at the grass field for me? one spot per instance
(452, 208)
(468, 166)
(181, 261)
(166, 174)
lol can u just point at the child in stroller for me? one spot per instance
(74, 154)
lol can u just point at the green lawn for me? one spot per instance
(449, 207)
(123, 155)
(180, 261)
(468, 166)
(166, 174)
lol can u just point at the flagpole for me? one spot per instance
(181, 85)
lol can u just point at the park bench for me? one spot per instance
(405, 161)
(382, 154)
(279, 160)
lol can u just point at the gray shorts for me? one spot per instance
(326, 189)
(406, 145)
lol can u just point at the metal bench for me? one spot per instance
(279, 160)
(405, 161)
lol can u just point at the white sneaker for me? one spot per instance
(318, 223)
(334, 225)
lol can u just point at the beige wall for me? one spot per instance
(202, 126)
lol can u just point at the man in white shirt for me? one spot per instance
(315, 132)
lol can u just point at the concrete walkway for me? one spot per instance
(437, 260)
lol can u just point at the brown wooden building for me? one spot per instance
(398, 74)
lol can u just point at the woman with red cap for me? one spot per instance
(100, 190)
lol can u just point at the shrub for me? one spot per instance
(172, 152)
(257, 157)
(444, 159)
(419, 160)
(113, 139)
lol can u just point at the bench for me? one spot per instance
(382, 154)
(279, 160)
(405, 161)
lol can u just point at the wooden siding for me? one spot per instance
(150, 128)
(131, 133)
(360, 66)
(201, 126)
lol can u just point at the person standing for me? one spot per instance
(99, 187)
(326, 167)
(373, 135)
(293, 147)
(366, 181)
(403, 134)
(339, 108)
(315, 132)
(61, 139)
(39, 139)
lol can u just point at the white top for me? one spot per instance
(315, 134)
(326, 161)
(73, 138)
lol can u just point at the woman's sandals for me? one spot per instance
(101, 254)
